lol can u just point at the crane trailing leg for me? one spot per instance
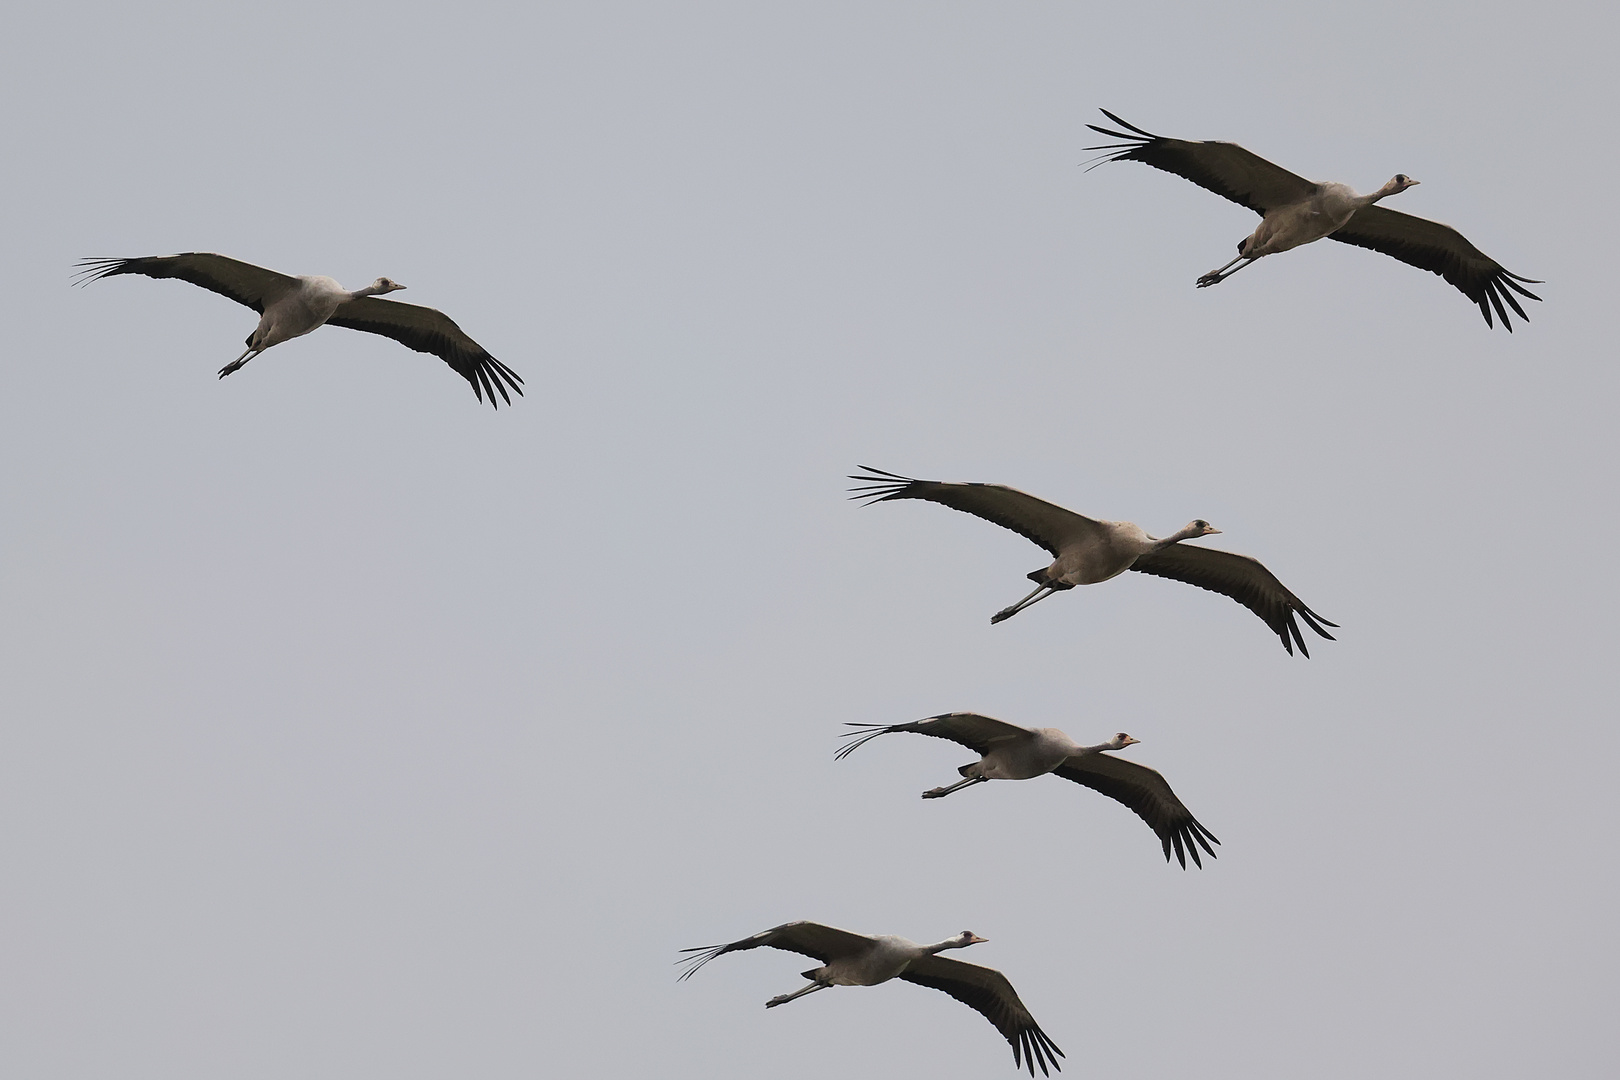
(941, 792)
(1215, 277)
(236, 364)
(783, 999)
(1042, 591)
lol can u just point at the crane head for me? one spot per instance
(1122, 740)
(1399, 183)
(968, 937)
(1201, 527)
(385, 285)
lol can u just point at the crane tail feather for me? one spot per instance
(861, 737)
(1511, 299)
(1299, 639)
(1127, 124)
(704, 953)
(1496, 302)
(1513, 279)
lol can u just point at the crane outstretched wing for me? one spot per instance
(1439, 249)
(429, 330)
(1222, 167)
(806, 938)
(977, 733)
(253, 286)
(1146, 792)
(1037, 520)
(987, 991)
(1243, 579)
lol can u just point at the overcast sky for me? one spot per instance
(355, 730)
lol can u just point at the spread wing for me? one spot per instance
(820, 942)
(977, 733)
(1052, 527)
(1244, 580)
(1222, 167)
(1146, 792)
(428, 330)
(1439, 249)
(988, 991)
(250, 285)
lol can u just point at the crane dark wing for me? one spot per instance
(1244, 580)
(253, 286)
(428, 330)
(1439, 249)
(1145, 791)
(988, 991)
(1222, 167)
(807, 938)
(977, 733)
(1052, 527)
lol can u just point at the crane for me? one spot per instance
(851, 959)
(1010, 752)
(1086, 550)
(1295, 211)
(290, 307)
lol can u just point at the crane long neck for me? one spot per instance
(939, 947)
(1391, 188)
(1175, 538)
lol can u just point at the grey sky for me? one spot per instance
(353, 730)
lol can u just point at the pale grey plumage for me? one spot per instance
(851, 959)
(291, 307)
(1010, 752)
(1086, 550)
(1297, 211)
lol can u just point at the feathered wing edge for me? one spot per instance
(248, 285)
(815, 940)
(1224, 168)
(1244, 579)
(864, 734)
(989, 993)
(1440, 249)
(429, 330)
(929, 725)
(1145, 792)
(1042, 523)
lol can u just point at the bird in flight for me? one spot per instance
(1295, 211)
(290, 307)
(1010, 752)
(1086, 550)
(850, 959)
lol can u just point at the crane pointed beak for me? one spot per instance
(975, 939)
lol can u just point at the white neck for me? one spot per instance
(1185, 533)
(370, 290)
(1111, 744)
(1384, 192)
